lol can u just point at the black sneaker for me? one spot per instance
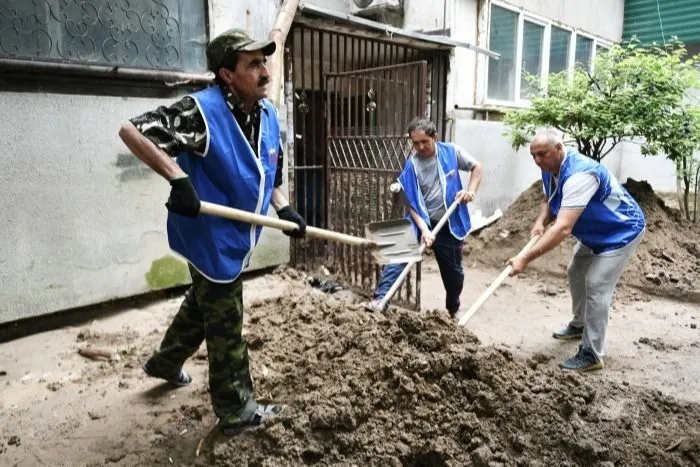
(252, 415)
(568, 333)
(181, 379)
(584, 360)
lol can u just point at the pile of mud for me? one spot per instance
(667, 262)
(410, 389)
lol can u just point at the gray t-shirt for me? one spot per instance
(429, 180)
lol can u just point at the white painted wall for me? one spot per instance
(256, 17)
(657, 170)
(82, 220)
(506, 173)
(341, 6)
(423, 16)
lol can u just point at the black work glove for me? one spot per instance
(288, 213)
(183, 198)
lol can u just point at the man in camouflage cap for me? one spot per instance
(225, 46)
(236, 162)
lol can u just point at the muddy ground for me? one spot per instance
(399, 389)
(403, 388)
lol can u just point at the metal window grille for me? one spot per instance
(353, 98)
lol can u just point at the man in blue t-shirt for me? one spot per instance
(226, 140)
(585, 200)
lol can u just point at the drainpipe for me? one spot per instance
(279, 32)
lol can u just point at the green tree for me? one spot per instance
(634, 93)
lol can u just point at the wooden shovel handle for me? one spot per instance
(499, 280)
(279, 224)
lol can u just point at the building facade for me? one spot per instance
(83, 221)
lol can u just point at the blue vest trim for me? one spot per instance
(448, 169)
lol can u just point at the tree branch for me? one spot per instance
(614, 143)
(593, 81)
(560, 129)
(597, 149)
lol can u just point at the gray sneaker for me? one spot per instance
(584, 360)
(568, 333)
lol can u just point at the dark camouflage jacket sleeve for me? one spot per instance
(175, 129)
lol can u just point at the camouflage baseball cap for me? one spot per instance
(234, 40)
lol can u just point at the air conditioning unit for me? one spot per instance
(374, 8)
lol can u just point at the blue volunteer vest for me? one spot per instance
(229, 174)
(451, 183)
(611, 220)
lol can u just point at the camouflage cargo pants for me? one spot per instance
(211, 312)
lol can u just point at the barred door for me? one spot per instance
(367, 112)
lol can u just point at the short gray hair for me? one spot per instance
(551, 135)
(422, 124)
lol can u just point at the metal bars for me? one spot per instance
(353, 97)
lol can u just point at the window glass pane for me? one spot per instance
(584, 48)
(503, 34)
(559, 50)
(167, 35)
(599, 50)
(533, 39)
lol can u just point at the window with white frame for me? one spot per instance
(532, 46)
(599, 49)
(533, 40)
(559, 49)
(503, 39)
(584, 52)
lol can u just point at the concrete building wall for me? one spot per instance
(340, 6)
(657, 170)
(255, 17)
(471, 25)
(83, 221)
(508, 173)
(602, 18)
(423, 16)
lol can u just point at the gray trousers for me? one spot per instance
(592, 281)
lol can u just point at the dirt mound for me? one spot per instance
(410, 389)
(667, 262)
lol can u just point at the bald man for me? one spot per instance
(584, 200)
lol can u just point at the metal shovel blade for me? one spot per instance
(395, 241)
